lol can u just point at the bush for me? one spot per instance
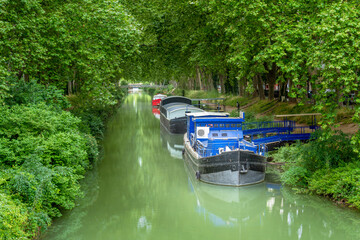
(43, 155)
(13, 217)
(341, 184)
(44, 152)
(33, 93)
(35, 120)
(327, 166)
(92, 116)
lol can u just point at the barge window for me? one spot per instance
(227, 125)
(224, 134)
(216, 125)
(215, 135)
(221, 125)
(233, 125)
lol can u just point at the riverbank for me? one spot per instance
(265, 108)
(47, 144)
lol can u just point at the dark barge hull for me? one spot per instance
(226, 168)
(177, 125)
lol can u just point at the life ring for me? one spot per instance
(233, 167)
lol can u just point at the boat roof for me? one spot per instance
(219, 120)
(204, 114)
(184, 106)
(175, 99)
(174, 105)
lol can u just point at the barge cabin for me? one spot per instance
(172, 113)
(216, 151)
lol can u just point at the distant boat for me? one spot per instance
(157, 99)
(172, 113)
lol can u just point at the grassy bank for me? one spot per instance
(265, 108)
(47, 143)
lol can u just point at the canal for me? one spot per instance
(141, 190)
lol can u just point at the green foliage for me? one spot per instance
(296, 176)
(13, 216)
(82, 45)
(341, 184)
(242, 46)
(33, 93)
(43, 155)
(326, 166)
(4, 91)
(93, 116)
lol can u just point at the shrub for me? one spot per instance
(327, 166)
(31, 92)
(340, 184)
(43, 155)
(35, 120)
(13, 216)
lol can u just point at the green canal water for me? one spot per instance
(142, 190)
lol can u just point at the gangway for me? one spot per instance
(274, 133)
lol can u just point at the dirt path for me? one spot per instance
(349, 128)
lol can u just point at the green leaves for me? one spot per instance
(83, 42)
(43, 155)
(326, 166)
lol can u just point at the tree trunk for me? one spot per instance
(272, 81)
(198, 75)
(282, 90)
(20, 74)
(210, 82)
(26, 77)
(222, 82)
(255, 85)
(69, 88)
(260, 87)
(191, 83)
(241, 85)
(271, 78)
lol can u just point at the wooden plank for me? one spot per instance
(298, 115)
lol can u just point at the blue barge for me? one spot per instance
(227, 151)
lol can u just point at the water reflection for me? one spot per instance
(139, 191)
(174, 143)
(269, 211)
